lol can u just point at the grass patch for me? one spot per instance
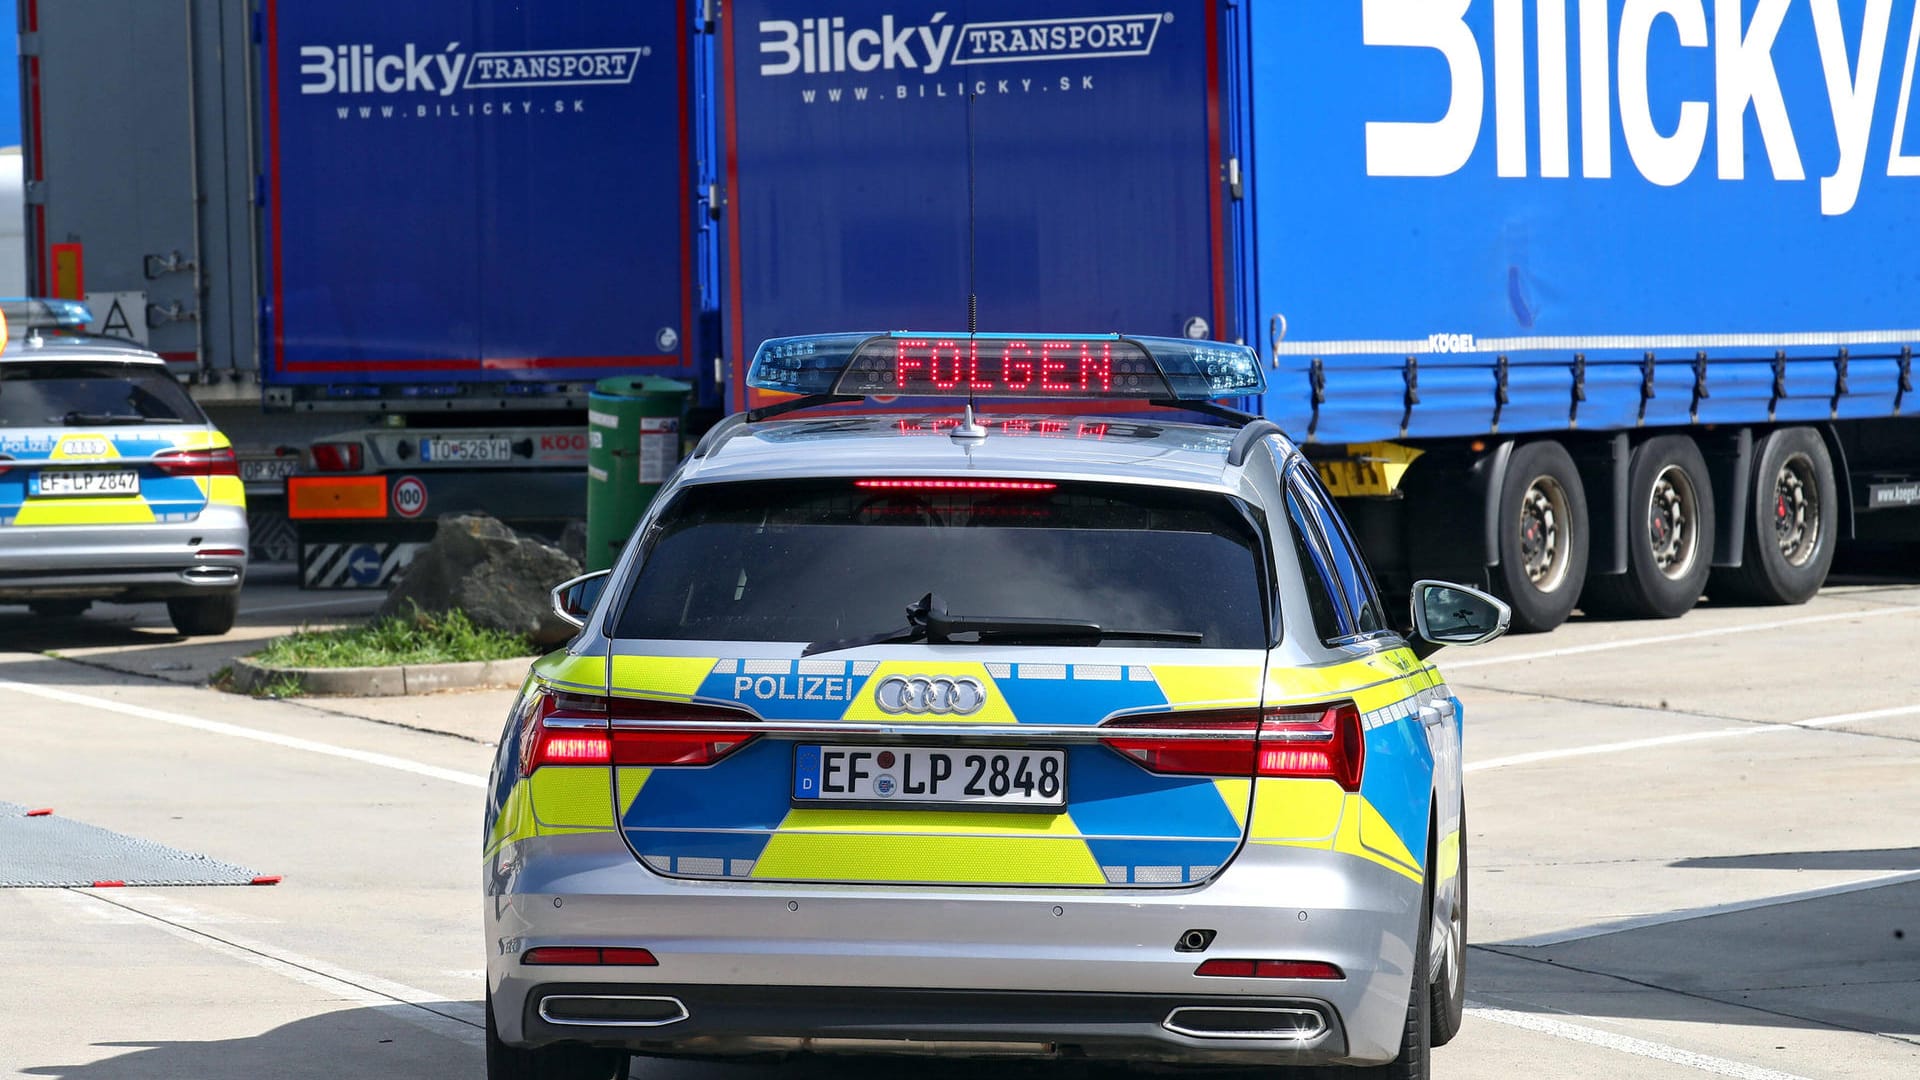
(417, 639)
(280, 686)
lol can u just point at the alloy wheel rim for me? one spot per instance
(1796, 510)
(1673, 511)
(1543, 512)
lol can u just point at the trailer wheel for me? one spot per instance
(1669, 535)
(1543, 536)
(1791, 526)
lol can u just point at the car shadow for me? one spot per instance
(1892, 859)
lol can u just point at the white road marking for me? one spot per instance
(1691, 635)
(237, 731)
(1760, 728)
(460, 1021)
(1561, 937)
(1627, 1044)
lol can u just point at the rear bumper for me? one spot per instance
(127, 562)
(732, 1020)
(1094, 971)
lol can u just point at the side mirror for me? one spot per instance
(1449, 614)
(573, 600)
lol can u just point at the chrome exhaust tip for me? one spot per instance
(1298, 1025)
(611, 1010)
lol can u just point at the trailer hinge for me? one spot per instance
(1779, 381)
(159, 315)
(1699, 383)
(1233, 178)
(1317, 380)
(173, 262)
(1906, 378)
(1646, 386)
(1839, 385)
(715, 200)
(1499, 391)
(1410, 374)
(709, 15)
(1276, 333)
(30, 44)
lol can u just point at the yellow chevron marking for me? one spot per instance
(224, 490)
(1209, 687)
(660, 676)
(926, 822)
(578, 670)
(1295, 809)
(628, 781)
(120, 510)
(574, 796)
(865, 707)
(1238, 795)
(1370, 837)
(972, 860)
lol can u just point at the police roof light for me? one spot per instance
(904, 364)
(45, 313)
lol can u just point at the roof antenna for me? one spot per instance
(969, 428)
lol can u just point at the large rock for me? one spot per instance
(497, 576)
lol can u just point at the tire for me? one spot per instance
(60, 609)
(551, 1062)
(1670, 532)
(1792, 517)
(1543, 536)
(1449, 997)
(1416, 1035)
(204, 616)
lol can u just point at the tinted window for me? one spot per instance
(1329, 621)
(91, 394)
(824, 561)
(1349, 569)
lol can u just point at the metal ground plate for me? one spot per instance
(56, 852)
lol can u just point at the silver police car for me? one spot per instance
(1065, 731)
(114, 485)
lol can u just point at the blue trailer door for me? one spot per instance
(461, 192)
(1100, 176)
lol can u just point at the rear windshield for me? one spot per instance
(70, 394)
(829, 561)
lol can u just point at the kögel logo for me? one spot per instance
(357, 69)
(827, 46)
(941, 695)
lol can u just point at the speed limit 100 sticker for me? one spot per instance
(409, 496)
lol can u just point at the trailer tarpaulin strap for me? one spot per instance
(1646, 385)
(1579, 389)
(1779, 381)
(1906, 378)
(1317, 379)
(1699, 383)
(1839, 384)
(1499, 391)
(1411, 376)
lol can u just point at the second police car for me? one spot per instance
(1080, 734)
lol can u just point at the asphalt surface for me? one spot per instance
(1692, 844)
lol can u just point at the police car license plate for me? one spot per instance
(457, 450)
(87, 482)
(930, 776)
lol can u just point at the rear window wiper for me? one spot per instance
(74, 418)
(928, 620)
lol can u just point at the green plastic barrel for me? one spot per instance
(633, 442)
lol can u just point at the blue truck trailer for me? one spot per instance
(1607, 303)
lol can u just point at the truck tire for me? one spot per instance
(1669, 535)
(1791, 524)
(1543, 536)
(204, 616)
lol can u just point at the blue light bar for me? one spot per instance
(45, 313)
(1007, 366)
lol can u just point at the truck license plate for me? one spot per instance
(931, 775)
(457, 451)
(88, 482)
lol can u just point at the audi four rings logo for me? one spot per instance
(942, 695)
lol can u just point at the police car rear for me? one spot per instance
(974, 735)
(114, 485)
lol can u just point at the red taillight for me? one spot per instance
(1269, 969)
(588, 955)
(1032, 486)
(221, 553)
(555, 736)
(336, 456)
(3, 464)
(219, 462)
(1319, 743)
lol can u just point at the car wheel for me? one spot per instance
(59, 609)
(1793, 514)
(1543, 536)
(1416, 1035)
(1669, 535)
(550, 1062)
(1449, 1000)
(203, 616)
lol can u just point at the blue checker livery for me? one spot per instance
(1072, 735)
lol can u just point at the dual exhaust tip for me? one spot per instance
(1281, 1024)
